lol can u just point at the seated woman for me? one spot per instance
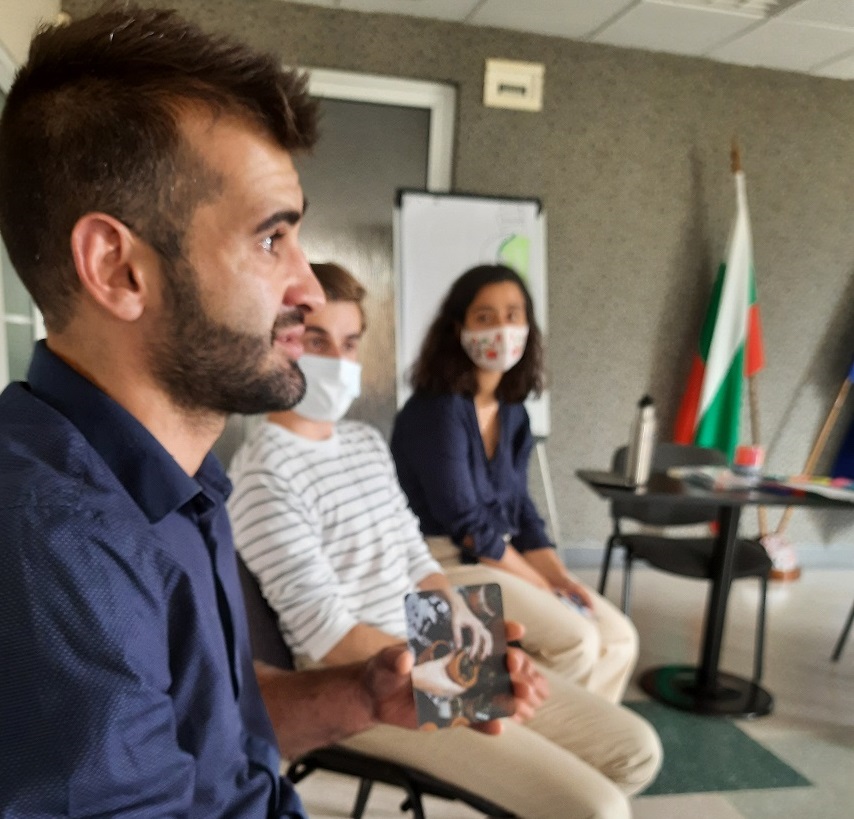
(461, 445)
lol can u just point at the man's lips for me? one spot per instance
(290, 339)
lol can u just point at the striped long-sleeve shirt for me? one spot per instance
(327, 531)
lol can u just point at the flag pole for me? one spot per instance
(761, 511)
(753, 398)
(818, 447)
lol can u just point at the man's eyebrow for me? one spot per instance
(318, 330)
(290, 217)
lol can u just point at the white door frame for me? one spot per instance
(7, 74)
(440, 99)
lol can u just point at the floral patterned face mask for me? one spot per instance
(496, 349)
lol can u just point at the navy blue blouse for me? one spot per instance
(453, 488)
(126, 680)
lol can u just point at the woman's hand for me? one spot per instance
(515, 563)
(576, 594)
(464, 620)
(548, 564)
(431, 677)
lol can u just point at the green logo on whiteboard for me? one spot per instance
(515, 252)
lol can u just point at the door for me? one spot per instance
(378, 135)
(21, 323)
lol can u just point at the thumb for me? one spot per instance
(397, 658)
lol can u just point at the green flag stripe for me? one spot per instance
(712, 313)
(718, 428)
(752, 287)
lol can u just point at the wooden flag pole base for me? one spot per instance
(784, 561)
(785, 575)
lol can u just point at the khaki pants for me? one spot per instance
(597, 653)
(578, 757)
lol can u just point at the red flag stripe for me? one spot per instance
(686, 418)
(754, 359)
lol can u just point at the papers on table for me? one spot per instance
(721, 477)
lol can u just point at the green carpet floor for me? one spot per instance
(704, 754)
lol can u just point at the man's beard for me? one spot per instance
(205, 365)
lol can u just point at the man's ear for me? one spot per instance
(113, 264)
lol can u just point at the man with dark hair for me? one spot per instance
(150, 204)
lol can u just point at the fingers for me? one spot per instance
(530, 688)
(493, 727)
(481, 641)
(582, 594)
(486, 643)
(513, 631)
(432, 678)
(457, 630)
(396, 658)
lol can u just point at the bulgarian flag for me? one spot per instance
(730, 343)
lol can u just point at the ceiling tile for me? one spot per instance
(827, 12)
(679, 30)
(779, 44)
(328, 3)
(435, 9)
(841, 69)
(558, 18)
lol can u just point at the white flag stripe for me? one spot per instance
(731, 321)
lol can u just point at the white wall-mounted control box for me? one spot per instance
(512, 84)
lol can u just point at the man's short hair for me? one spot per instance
(92, 123)
(340, 284)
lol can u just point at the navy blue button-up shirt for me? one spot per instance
(126, 682)
(455, 490)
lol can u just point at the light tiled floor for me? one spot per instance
(812, 727)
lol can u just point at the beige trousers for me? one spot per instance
(596, 653)
(578, 757)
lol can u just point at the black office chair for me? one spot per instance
(843, 636)
(269, 647)
(684, 556)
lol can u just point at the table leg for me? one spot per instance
(706, 690)
(723, 560)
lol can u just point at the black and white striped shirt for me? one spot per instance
(327, 531)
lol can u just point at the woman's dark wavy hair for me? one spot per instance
(443, 366)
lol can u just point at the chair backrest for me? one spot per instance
(665, 456)
(264, 635)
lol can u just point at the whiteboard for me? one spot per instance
(438, 236)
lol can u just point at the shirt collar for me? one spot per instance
(147, 471)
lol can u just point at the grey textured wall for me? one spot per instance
(631, 159)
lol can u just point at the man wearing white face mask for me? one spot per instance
(321, 521)
(316, 509)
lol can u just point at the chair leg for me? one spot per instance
(361, 802)
(606, 564)
(840, 643)
(413, 803)
(627, 581)
(759, 647)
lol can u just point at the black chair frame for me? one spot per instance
(683, 556)
(369, 769)
(843, 636)
(269, 647)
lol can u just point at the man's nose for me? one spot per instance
(305, 290)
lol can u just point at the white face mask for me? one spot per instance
(331, 384)
(497, 349)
